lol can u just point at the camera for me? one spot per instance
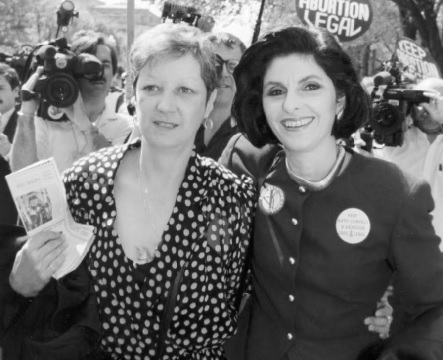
(187, 14)
(17, 60)
(62, 68)
(389, 110)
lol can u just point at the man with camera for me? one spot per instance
(428, 117)
(68, 133)
(421, 152)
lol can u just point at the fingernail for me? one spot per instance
(371, 328)
(366, 321)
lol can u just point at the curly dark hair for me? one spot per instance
(247, 107)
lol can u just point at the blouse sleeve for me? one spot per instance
(238, 269)
(74, 180)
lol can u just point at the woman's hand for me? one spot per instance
(381, 322)
(36, 262)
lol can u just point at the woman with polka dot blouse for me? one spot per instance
(172, 228)
(163, 215)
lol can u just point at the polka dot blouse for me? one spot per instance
(207, 235)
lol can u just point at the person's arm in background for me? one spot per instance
(24, 146)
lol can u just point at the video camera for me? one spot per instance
(188, 14)
(387, 123)
(62, 68)
(57, 86)
(17, 60)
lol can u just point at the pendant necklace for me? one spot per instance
(143, 254)
(323, 183)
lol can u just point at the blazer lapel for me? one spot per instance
(10, 127)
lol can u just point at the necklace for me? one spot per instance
(147, 204)
(142, 253)
(323, 183)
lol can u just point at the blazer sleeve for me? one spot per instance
(415, 253)
(244, 159)
(418, 265)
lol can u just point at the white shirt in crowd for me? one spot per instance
(71, 142)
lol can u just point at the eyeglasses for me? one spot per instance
(230, 64)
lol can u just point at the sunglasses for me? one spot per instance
(230, 64)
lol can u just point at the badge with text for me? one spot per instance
(346, 19)
(353, 226)
(271, 199)
(416, 60)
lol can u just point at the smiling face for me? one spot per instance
(171, 102)
(7, 95)
(226, 88)
(300, 103)
(101, 86)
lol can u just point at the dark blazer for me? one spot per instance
(11, 126)
(321, 260)
(8, 212)
(61, 323)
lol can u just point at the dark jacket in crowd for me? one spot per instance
(218, 141)
(61, 323)
(313, 286)
(8, 212)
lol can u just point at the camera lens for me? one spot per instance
(60, 90)
(386, 119)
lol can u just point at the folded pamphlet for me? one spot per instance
(40, 198)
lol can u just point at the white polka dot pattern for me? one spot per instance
(208, 233)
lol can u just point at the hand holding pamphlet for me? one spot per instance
(40, 198)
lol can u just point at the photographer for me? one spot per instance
(428, 117)
(421, 152)
(94, 118)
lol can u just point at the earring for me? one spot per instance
(208, 123)
(339, 114)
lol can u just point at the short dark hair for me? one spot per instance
(10, 75)
(247, 107)
(86, 41)
(227, 39)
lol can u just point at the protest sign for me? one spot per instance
(347, 19)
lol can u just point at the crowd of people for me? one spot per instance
(229, 221)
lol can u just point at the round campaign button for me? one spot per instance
(271, 199)
(353, 226)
